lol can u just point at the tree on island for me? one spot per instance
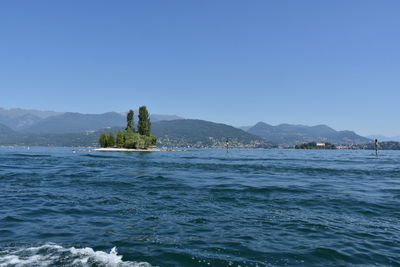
(103, 140)
(144, 124)
(129, 138)
(129, 119)
(111, 140)
(120, 139)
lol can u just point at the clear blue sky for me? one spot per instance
(236, 62)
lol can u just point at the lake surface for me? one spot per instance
(60, 207)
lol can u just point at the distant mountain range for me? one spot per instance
(76, 123)
(21, 118)
(289, 135)
(36, 121)
(34, 127)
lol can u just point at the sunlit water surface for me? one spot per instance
(71, 207)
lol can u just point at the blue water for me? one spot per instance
(60, 207)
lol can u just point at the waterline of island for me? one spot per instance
(115, 149)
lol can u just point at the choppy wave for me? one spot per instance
(199, 208)
(55, 255)
(23, 155)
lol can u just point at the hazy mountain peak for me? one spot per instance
(262, 124)
(17, 112)
(17, 118)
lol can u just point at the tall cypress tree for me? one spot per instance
(144, 124)
(129, 120)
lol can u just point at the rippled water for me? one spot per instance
(60, 207)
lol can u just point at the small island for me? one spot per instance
(316, 145)
(131, 139)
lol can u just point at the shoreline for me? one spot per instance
(114, 149)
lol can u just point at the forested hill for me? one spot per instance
(5, 131)
(200, 133)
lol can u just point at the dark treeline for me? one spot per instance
(132, 138)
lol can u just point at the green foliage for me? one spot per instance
(144, 124)
(141, 139)
(107, 140)
(153, 140)
(141, 142)
(103, 140)
(120, 139)
(149, 140)
(129, 120)
(138, 141)
(130, 139)
(111, 140)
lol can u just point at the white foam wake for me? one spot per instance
(55, 255)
